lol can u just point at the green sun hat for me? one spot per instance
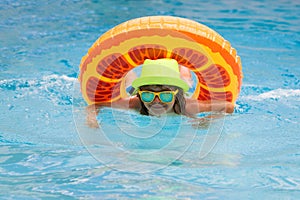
(160, 72)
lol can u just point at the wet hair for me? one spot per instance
(179, 104)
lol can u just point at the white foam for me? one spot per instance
(62, 77)
(56, 88)
(34, 81)
(276, 94)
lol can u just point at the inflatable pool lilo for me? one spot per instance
(193, 45)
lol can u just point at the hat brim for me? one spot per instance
(162, 80)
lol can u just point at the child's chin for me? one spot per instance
(157, 111)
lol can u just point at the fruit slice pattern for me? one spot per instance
(193, 45)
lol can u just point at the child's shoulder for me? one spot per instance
(134, 102)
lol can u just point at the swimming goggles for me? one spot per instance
(164, 96)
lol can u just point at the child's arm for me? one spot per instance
(93, 110)
(195, 106)
(91, 115)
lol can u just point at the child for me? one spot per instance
(160, 90)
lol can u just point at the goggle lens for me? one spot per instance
(147, 96)
(166, 97)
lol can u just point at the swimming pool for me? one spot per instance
(47, 151)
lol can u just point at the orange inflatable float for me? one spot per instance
(193, 45)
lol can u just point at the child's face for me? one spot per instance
(157, 107)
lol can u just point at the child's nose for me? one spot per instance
(156, 99)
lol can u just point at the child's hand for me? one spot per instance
(92, 122)
(91, 117)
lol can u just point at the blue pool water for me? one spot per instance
(47, 151)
